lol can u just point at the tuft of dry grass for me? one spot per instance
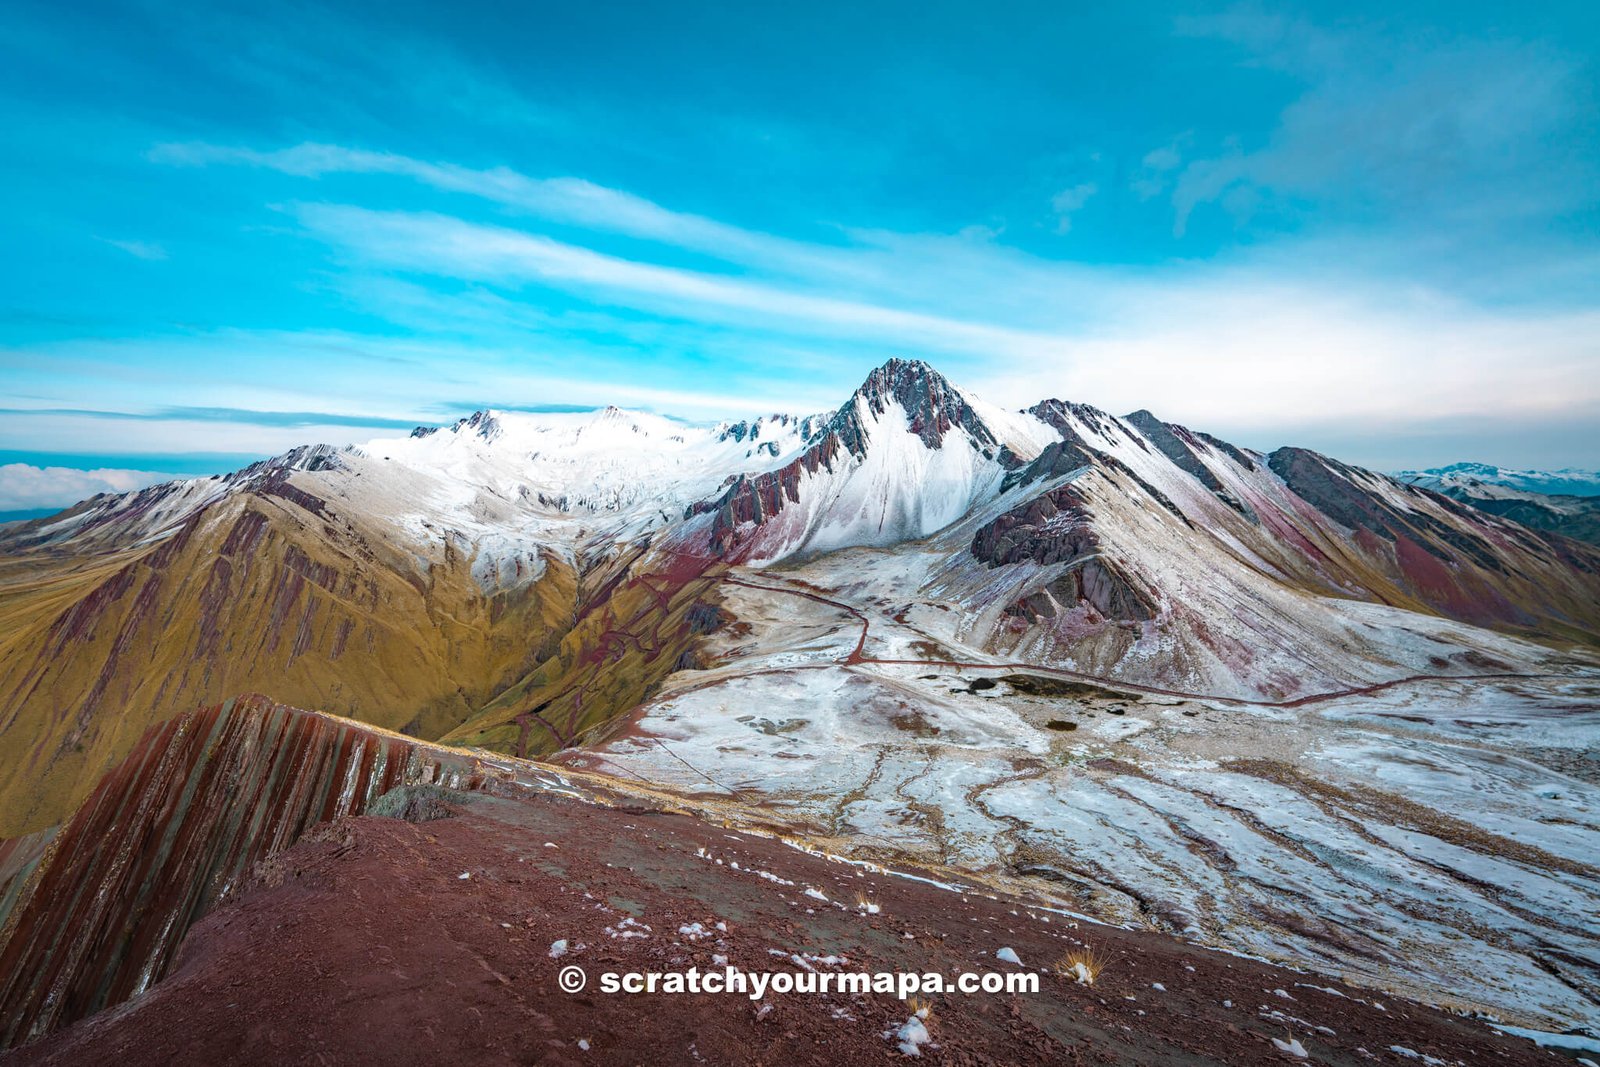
(1081, 965)
(922, 1009)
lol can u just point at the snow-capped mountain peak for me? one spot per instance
(908, 454)
(932, 406)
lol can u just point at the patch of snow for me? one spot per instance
(1572, 1042)
(913, 1034)
(1290, 1047)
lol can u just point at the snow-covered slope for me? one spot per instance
(510, 484)
(628, 464)
(500, 486)
(1079, 536)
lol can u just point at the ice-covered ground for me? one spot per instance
(1436, 837)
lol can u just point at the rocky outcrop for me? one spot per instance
(1057, 528)
(752, 500)
(1061, 457)
(184, 818)
(1054, 527)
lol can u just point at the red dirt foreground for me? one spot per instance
(381, 941)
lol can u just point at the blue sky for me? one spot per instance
(1370, 230)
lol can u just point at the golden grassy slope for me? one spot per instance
(640, 623)
(255, 593)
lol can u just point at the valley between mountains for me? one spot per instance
(1269, 704)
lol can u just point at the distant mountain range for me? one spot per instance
(1569, 481)
(1566, 501)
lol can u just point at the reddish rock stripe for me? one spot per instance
(169, 831)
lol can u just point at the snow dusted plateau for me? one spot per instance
(1268, 703)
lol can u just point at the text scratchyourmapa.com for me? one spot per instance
(757, 984)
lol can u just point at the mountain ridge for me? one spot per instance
(528, 579)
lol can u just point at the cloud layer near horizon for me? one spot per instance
(24, 487)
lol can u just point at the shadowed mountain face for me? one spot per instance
(1577, 517)
(521, 582)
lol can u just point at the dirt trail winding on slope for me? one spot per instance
(858, 657)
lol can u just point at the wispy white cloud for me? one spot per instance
(24, 486)
(148, 250)
(567, 200)
(1276, 342)
(1069, 201)
(442, 245)
(1234, 347)
(1242, 353)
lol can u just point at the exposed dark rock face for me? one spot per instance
(738, 431)
(1459, 561)
(1061, 457)
(931, 403)
(1236, 454)
(1059, 414)
(482, 422)
(1095, 582)
(1054, 528)
(705, 618)
(1576, 517)
(747, 430)
(1103, 586)
(757, 499)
